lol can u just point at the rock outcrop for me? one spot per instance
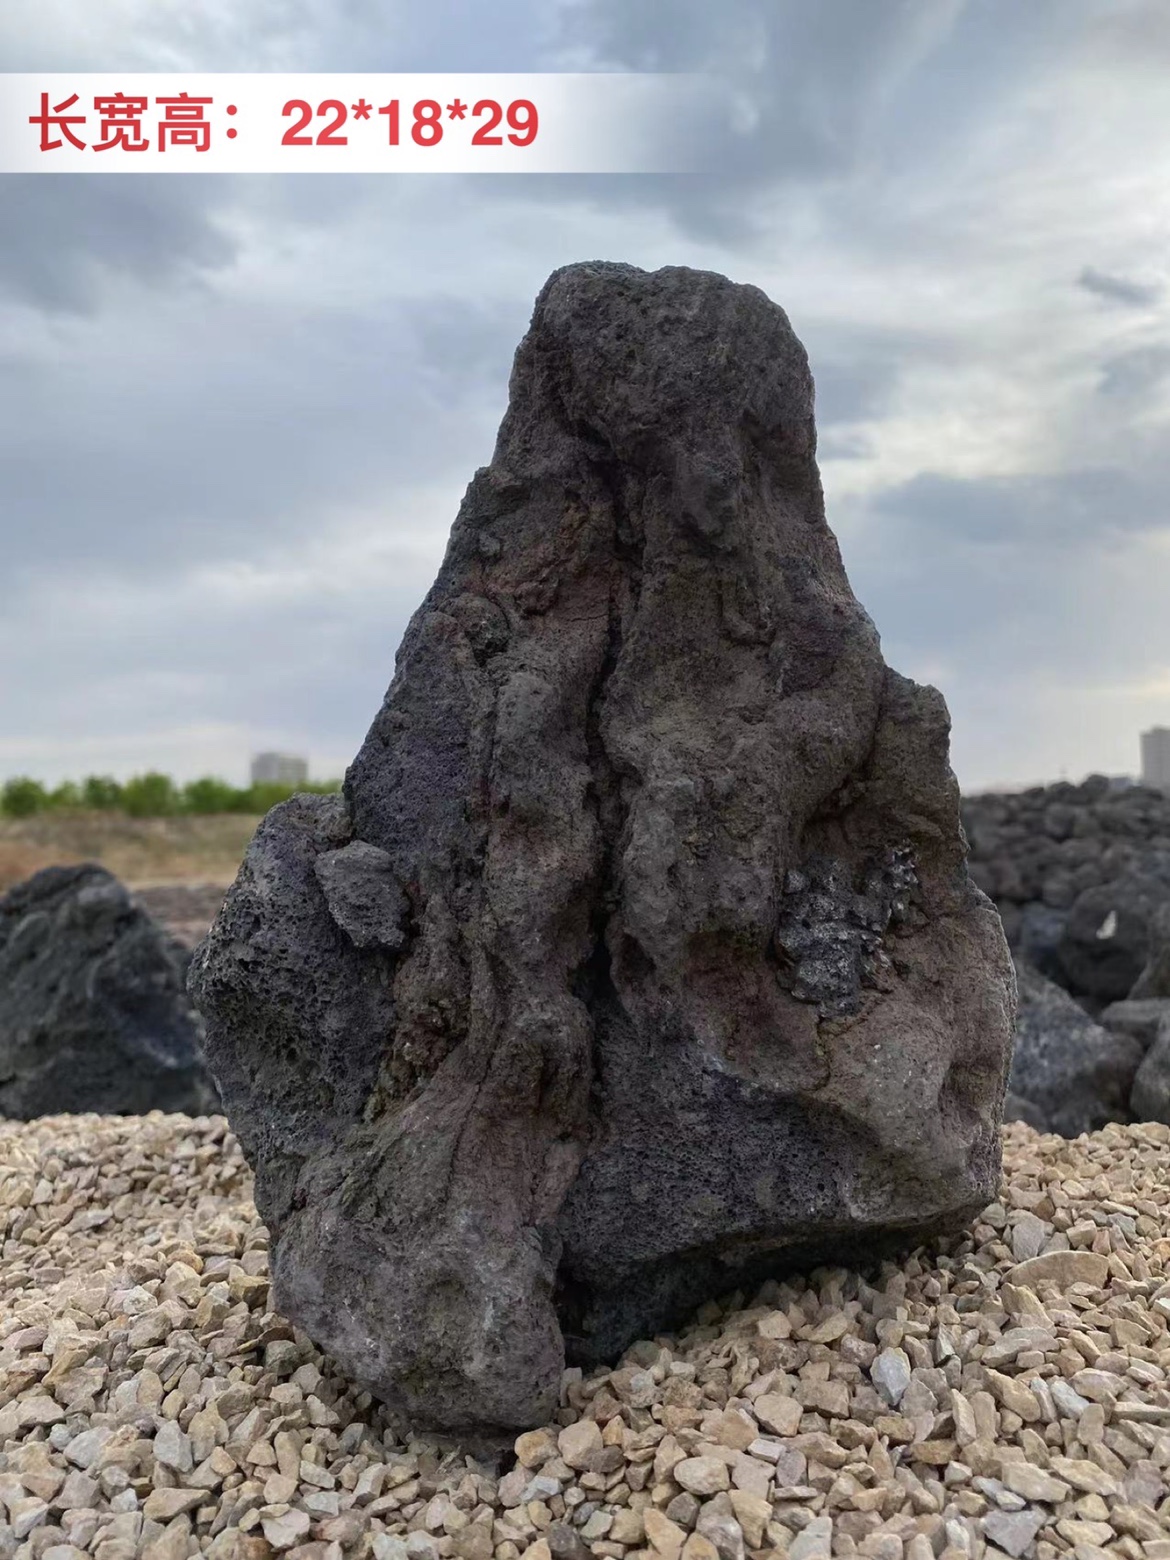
(639, 957)
(94, 1014)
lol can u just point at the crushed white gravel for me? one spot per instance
(1006, 1395)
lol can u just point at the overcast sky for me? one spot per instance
(237, 415)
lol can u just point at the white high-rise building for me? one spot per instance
(284, 768)
(1156, 757)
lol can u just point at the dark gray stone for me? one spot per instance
(1074, 1074)
(1017, 1109)
(364, 896)
(1141, 1020)
(93, 1011)
(1080, 874)
(1106, 942)
(1150, 1098)
(1154, 981)
(639, 959)
(1040, 932)
(831, 931)
(565, 1543)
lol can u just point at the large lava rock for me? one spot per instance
(93, 1011)
(1069, 1074)
(639, 956)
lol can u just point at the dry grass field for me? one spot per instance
(140, 851)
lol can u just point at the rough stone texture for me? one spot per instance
(640, 955)
(1154, 981)
(93, 1011)
(1069, 1074)
(1150, 1098)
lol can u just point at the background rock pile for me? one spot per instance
(94, 1013)
(1059, 860)
(1005, 1395)
(1081, 877)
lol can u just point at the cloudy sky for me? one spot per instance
(237, 414)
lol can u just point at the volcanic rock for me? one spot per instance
(94, 1015)
(1150, 1098)
(1080, 874)
(638, 957)
(1039, 936)
(1153, 984)
(1106, 942)
(1139, 1018)
(1073, 1074)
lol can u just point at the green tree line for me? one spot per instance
(151, 795)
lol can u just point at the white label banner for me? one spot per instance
(135, 122)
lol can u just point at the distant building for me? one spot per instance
(1156, 758)
(284, 768)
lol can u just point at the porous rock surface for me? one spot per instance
(94, 1014)
(639, 955)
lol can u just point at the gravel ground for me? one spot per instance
(1006, 1395)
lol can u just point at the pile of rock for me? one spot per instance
(1078, 873)
(1006, 1395)
(94, 1014)
(1081, 877)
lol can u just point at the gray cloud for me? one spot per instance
(66, 237)
(1131, 34)
(806, 82)
(238, 425)
(1033, 602)
(1074, 509)
(1119, 289)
